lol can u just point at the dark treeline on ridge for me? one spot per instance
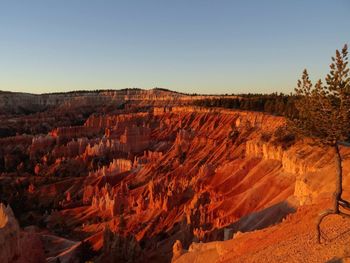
(277, 104)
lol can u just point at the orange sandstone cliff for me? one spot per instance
(145, 177)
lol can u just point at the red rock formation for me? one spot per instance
(41, 145)
(161, 175)
(178, 250)
(72, 149)
(136, 138)
(9, 235)
(120, 249)
(17, 245)
(115, 167)
(13, 152)
(74, 132)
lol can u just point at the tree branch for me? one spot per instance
(319, 221)
(343, 143)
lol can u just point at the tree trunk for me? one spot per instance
(337, 193)
(339, 179)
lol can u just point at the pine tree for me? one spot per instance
(324, 113)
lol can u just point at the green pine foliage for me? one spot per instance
(324, 109)
(276, 104)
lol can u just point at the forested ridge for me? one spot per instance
(277, 104)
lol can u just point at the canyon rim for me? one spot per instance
(147, 176)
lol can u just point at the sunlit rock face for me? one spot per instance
(146, 169)
(9, 235)
(17, 245)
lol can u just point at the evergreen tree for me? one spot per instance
(268, 107)
(324, 113)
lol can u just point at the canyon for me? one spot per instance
(145, 176)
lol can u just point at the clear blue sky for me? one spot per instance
(192, 46)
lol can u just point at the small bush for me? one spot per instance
(265, 137)
(283, 137)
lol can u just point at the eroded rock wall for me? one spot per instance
(17, 245)
(165, 174)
